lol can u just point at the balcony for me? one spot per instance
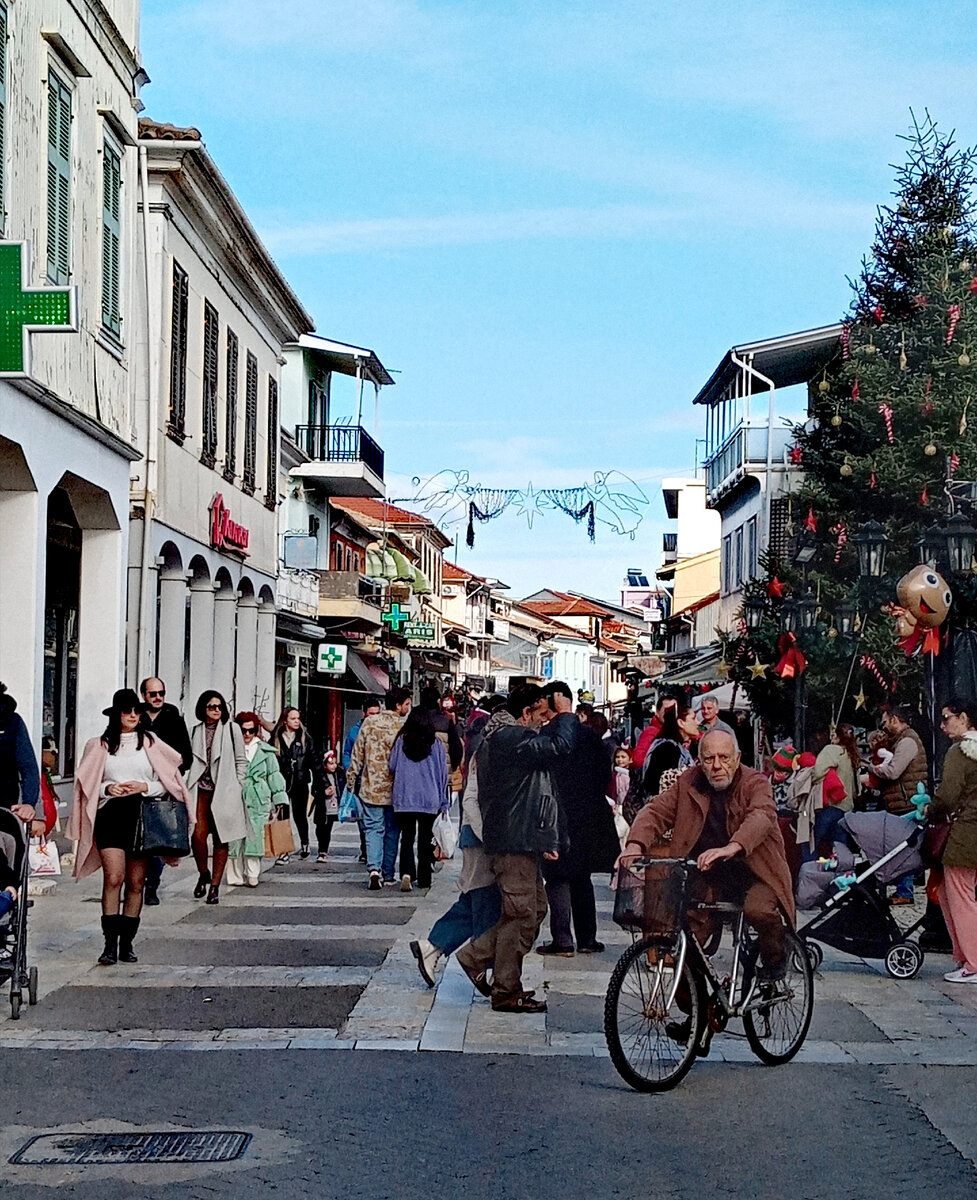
(744, 452)
(349, 596)
(346, 461)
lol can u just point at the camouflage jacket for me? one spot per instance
(370, 760)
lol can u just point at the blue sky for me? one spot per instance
(551, 219)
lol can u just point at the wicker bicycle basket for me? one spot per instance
(652, 897)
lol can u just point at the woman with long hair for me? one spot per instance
(264, 788)
(218, 774)
(841, 754)
(115, 772)
(673, 748)
(957, 796)
(420, 792)
(302, 768)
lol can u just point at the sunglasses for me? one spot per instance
(213, 707)
(150, 695)
(247, 730)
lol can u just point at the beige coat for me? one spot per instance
(228, 769)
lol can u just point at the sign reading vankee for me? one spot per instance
(226, 534)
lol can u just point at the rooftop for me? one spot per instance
(346, 359)
(793, 358)
(379, 513)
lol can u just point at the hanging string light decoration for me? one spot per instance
(486, 506)
(575, 502)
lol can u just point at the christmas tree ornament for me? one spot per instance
(963, 416)
(929, 449)
(824, 387)
(758, 669)
(877, 314)
(926, 408)
(841, 533)
(856, 390)
(836, 419)
(846, 341)
(973, 285)
(953, 312)
(885, 411)
(965, 265)
(832, 633)
(954, 463)
(845, 470)
(722, 668)
(903, 361)
(796, 456)
(920, 300)
(924, 496)
(872, 481)
(811, 521)
(963, 360)
(861, 699)
(869, 349)
(775, 588)
(868, 663)
(924, 602)
(792, 661)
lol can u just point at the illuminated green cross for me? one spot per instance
(395, 617)
(26, 310)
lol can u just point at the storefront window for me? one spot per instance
(61, 632)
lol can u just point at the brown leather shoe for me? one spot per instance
(523, 1002)
(479, 982)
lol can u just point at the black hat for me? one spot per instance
(124, 700)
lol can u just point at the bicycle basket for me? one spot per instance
(652, 899)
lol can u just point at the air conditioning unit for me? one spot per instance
(448, 590)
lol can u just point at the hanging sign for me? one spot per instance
(395, 617)
(26, 310)
(226, 534)
(419, 631)
(331, 659)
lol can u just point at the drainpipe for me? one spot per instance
(147, 602)
(749, 367)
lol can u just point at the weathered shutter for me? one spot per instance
(250, 423)
(208, 452)
(230, 430)
(178, 354)
(58, 180)
(271, 478)
(111, 236)
(3, 117)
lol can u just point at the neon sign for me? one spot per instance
(226, 534)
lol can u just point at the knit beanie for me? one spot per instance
(806, 759)
(783, 760)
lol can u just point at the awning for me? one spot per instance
(701, 668)
(361, 672)
(292, 627)
(405, 569)
(421, 583)
(725, 698)
(380, 563)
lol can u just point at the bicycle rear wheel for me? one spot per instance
(779, 1014)
(652, 1021)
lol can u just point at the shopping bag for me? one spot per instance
(445, 837)
(349, 806)
(43, 857)
(163, 829)
(279, 839)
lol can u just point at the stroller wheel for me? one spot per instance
(815, 954)
(32, 986)
(15, 1006)
(903, 960)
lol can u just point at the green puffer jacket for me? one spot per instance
(957, 794)
(264, 787)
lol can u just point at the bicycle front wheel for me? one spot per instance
(652, 1018)
(778, 1015)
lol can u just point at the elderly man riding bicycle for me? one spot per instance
(722, 814)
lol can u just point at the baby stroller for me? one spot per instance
(13, 924)
(853, 911)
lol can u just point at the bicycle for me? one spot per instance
(665, 1000)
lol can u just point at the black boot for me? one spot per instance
(110, 930)
(127, 932)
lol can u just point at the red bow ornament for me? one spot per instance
(792, 662)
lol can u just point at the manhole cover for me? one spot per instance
(96, 1149)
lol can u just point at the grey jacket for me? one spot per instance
(228, 769)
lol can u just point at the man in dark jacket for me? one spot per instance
(520, 824)
(20, 779)
(166, 723)
(582, 780)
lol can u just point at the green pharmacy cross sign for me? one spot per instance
(26, 310)
(331, 659)
(395, 617)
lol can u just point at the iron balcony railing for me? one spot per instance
(340, 443)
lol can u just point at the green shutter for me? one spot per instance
(250, 423)
(208, 454)
(58, 180)
(271, 476)
(111, 237)
(3, 117)
(230, 430)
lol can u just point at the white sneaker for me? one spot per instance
(961, 975)
(427, 957)
(252, 880)
(284, 858)
(405, 883)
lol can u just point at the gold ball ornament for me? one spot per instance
(832, 633)
(870, 350)
(846, 470)
(929, 449)
(964, 359)
(965, 265)
(824, 387)
(836, 420)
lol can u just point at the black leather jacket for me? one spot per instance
(301, 765)
(515, 793)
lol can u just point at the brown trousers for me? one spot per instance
(506, 944)
(734, 882)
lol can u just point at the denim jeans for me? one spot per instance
(382, 835)
(471, 915)
(904, 885)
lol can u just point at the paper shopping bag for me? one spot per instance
(278, 839)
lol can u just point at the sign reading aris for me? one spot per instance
(25, 310)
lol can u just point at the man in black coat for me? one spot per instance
(520, 826)
(166, 723)
(582, 781)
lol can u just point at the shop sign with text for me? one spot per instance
(226, 534)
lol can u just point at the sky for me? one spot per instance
(551, 219)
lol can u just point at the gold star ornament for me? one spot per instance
(860, 698)
(722, 668)
(758, 670)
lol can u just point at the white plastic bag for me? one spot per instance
(445, 837)
(43, 857)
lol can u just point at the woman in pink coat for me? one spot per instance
(115, 772)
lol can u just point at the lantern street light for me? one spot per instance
(807, 611)
(932, 546)
(960, 540)
(871, 544)
(788, 615)
(845, 617)
(805, 548)
(753, 611)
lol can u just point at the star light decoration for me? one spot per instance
(758, 670)
(860, 698)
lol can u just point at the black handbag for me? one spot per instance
(163, 828)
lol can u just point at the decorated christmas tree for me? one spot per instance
(888, 440)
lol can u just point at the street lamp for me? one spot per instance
(807, 611)
(753, 611)
(805, 547)
(788, 615)
(845, 617)
(932, 546)
(871, 544)
(960, 539)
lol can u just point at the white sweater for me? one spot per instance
(129, 764)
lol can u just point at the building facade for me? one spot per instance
(213, 317)
(69, 81)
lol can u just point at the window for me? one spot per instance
(738, 557)
(271, 473)
(349, 559)
(58, 179)
(727, 569)
(111, 236)
(208, 451)
(752, 566)
(230, 420)
(250, 423)
(176, 426)
(3, 115)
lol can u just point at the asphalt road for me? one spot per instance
(379, 1125)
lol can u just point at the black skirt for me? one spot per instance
(115, 823)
